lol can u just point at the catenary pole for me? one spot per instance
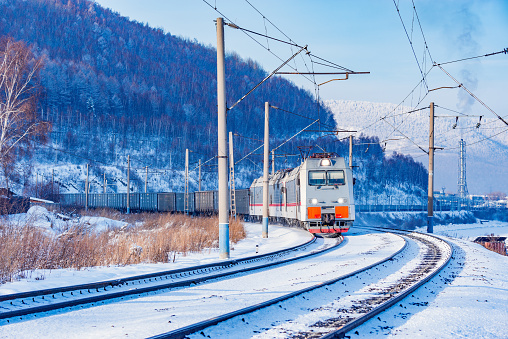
(222, 151)
(265, 172)
(105, 183)
(128, 183)
(52, 184)
(86, 189)
(186, 198)
(199, 176)
(146, 179)
(430, 205)
(351, 151)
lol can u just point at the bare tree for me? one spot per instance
(19, 123)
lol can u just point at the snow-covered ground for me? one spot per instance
(468, 299)
(56, 223)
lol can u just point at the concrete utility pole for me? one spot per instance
(265, 172)
(222, 150)
(128, 183)
(86, 189)
(430, 205)
(105, 184)
(52, 184)
(199, 176)
(351, 151)
(146, 179)
(186, 198)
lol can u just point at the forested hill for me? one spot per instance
(114, 87)
(105, 74)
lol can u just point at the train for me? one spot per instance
(317, 196)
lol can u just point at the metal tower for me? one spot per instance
(462, 184)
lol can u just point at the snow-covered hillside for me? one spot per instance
(486, 146)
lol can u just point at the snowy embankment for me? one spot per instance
(54, 223)
(467, 300)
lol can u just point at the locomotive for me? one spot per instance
(317, 195)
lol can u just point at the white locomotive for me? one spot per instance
(317, 195)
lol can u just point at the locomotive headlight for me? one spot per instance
(325, 162)
(313, 201)
(342, 200)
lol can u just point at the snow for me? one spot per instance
(472, 304)
(280, 238)
(467, 299)
(55, 223)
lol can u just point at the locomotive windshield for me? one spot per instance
(323, 178)
(335, 177)
(317, 178)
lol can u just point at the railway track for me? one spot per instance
(16, 307)
(343, 313)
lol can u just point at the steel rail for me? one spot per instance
(187, 330)
(139, 291)
(116, 282)
(341, 332)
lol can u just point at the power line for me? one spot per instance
(505, 51)
(421, 30)
(266, 78)
(411, 44)
(474, 96)
(263, 35)
(405, 136)
(231, 21)
(399, 105)
(482, 140)
(265, 18)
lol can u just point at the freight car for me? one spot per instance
(204, 202)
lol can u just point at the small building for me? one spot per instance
(39, 201)
(493, 243)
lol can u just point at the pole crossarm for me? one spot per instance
(267, 77)
(322, 73)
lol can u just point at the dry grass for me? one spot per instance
(161, 238)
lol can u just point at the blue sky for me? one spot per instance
(362, 35)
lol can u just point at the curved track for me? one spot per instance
(15, 306)
(344, 313)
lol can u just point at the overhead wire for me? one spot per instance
(505, 51)
(421, 30)
(474, 96)
(259, 43)
(411, 44)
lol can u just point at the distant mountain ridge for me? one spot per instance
(486, 156)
